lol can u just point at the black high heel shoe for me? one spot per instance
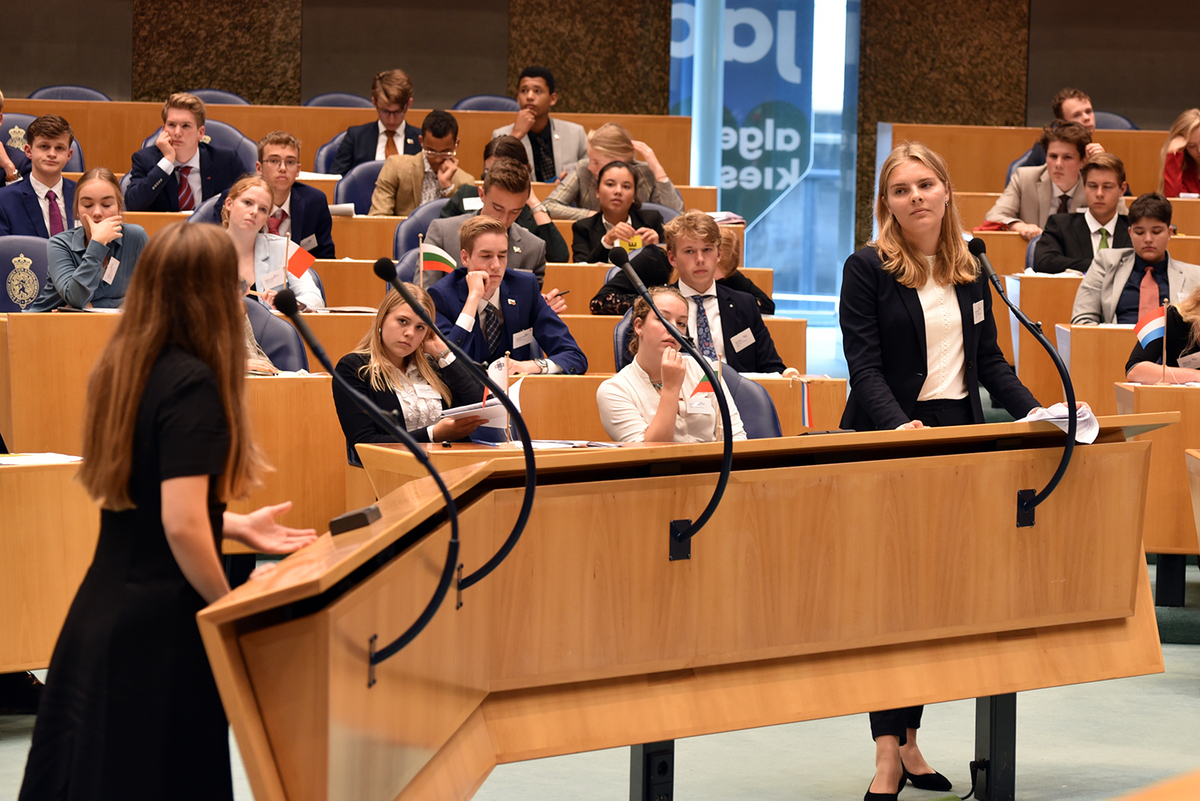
(926, 781)
(883, 796)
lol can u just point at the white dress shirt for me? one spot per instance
(467, 323)
(628, 402)
(168, 166)
(711, 310)
(41, 189)
(945, 358)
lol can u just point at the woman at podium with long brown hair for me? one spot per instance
(919, 338)
(130, 708)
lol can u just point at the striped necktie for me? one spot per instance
(187, 201)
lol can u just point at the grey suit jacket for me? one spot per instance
(1029, 197)
(1096, 299)
(570, 142)
(526, 251)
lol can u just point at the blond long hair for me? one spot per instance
(1184, 126)
(379, 370)
(953, 263)
(239, 187)
(183, 293)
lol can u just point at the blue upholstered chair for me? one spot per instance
(754, 404)
(326, 153)
(406, 268)
(278, 339)
(317, 280)
(1020, 161)
(621, 336)
(17, 139)
(415, 225)
(357, 186)
(487, 103)
(225, 136)
(219, 96)
(23, 273)
(68, 92)
(667, 212)
(207, 212)
(339, 100)
(1029, 252)
(1110, 120)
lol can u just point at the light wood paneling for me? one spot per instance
(1046, 299)
(1096, 357)
(1181, 788)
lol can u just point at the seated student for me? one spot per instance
(731, 277)
(575, 198)
(1034, 193)
(724, 323)
(1180, 342)
(298, 211)
(244, 216)
(506, 305)
(552, 145)
(14, 164)
(621, 219)
(407, 181)
(1181, 156)
(91, 265)
(1071, 241)
(1069, 105)
(1123, 284)
(404, 367)
(43, 205)
(533, 218)
(390, 135)
(653, 398)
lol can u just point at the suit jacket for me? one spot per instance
(883, 334)
(1029, 197)
(311, 221)
(525, 251)
(556, 247)
(587, 244)
(569, 138)
(151, 189)
(1097, 297)
(19, 160)
(21, 213)
(361, 141)
(522, 308)
(1066, 243)
(739, 313)
(398, 187)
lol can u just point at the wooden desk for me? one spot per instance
(974, 206)
(1046, 299)
(1181, 788)
(350, 282)
(1095, 356)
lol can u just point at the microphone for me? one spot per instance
(386, 270)
(978, 249)
(620, 258)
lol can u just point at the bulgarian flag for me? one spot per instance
(1151, 327)
(435, 259)
(298, 259)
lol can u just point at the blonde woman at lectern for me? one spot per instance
(919, 338)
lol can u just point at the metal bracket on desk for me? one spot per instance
(371, 660)
(1025, 508)
(680, 547)
(458, 587)
(996, 747)
(652, 771)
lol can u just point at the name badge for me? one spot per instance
(426, 391)
(977, 311)
(309, 242)
(742, 340)
(1190, 362)
(271, 280)
(110, 272)
(472, 203)
(523, 338)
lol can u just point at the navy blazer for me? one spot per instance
(522, 307)
(20, 161)
(587, 243)
(883, 334)
(21, 213)
(151, 189)
(739, 312)
(1066, 243)
(360, 142)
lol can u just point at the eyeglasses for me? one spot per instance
(445, 154)
(276, 163)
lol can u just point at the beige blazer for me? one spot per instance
(398, 188)
(1029, 197)
(1096, 299)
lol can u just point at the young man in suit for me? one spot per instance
(510, 312)
(1034, 193)
(299, 211)
(390, 135)
(14, 164)
(553, 145)
(1123, 284)
(725, 324)
(1069, 105)
(1071, 241)
(43, 204)
(407, 181)
(180, 171)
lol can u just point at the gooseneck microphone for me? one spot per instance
(1027, 501)
(683, 530)
(386, 270)
(285, 302)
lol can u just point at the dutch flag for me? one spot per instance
(1151, 327)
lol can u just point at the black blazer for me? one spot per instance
(310, 218)
(151, 189)
(883, 334)
(739, 312)
(358, 427)
(1066, 243)
(586, 243)
(359, 144)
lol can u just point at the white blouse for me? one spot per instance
(945, 358)
(419, 400)
(628, 402)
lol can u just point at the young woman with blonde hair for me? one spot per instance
(1181, 156)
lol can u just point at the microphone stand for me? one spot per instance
(285, 301)
(386, 269)
(682, 531)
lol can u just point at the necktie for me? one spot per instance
(1063, 201)
(276, 220)
(491, 327)
(703, 332)
(389, 145)
(1103, 239)
(186, 201)
(1148, 296)
(56, 220)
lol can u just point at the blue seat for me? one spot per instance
(754, 404)
(357, 186)
(339, 100)
(667, 212)
(17, 139)
(219, 96)
(406, 268)
(317, 280)
(1029, 252)
(278, 339)
(207, 212)
(1110, 120)
(68, 92)
(23, 263)
(1020, 161)
(621, 336)
(225, 136)
(415, 225)
(327, 152)
(487, 103)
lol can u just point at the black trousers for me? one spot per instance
(896, 722)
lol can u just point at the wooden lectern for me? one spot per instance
(1045, 299)
(841, 573)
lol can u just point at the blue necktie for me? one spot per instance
(703, 332)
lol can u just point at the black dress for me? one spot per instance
(130, 708)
